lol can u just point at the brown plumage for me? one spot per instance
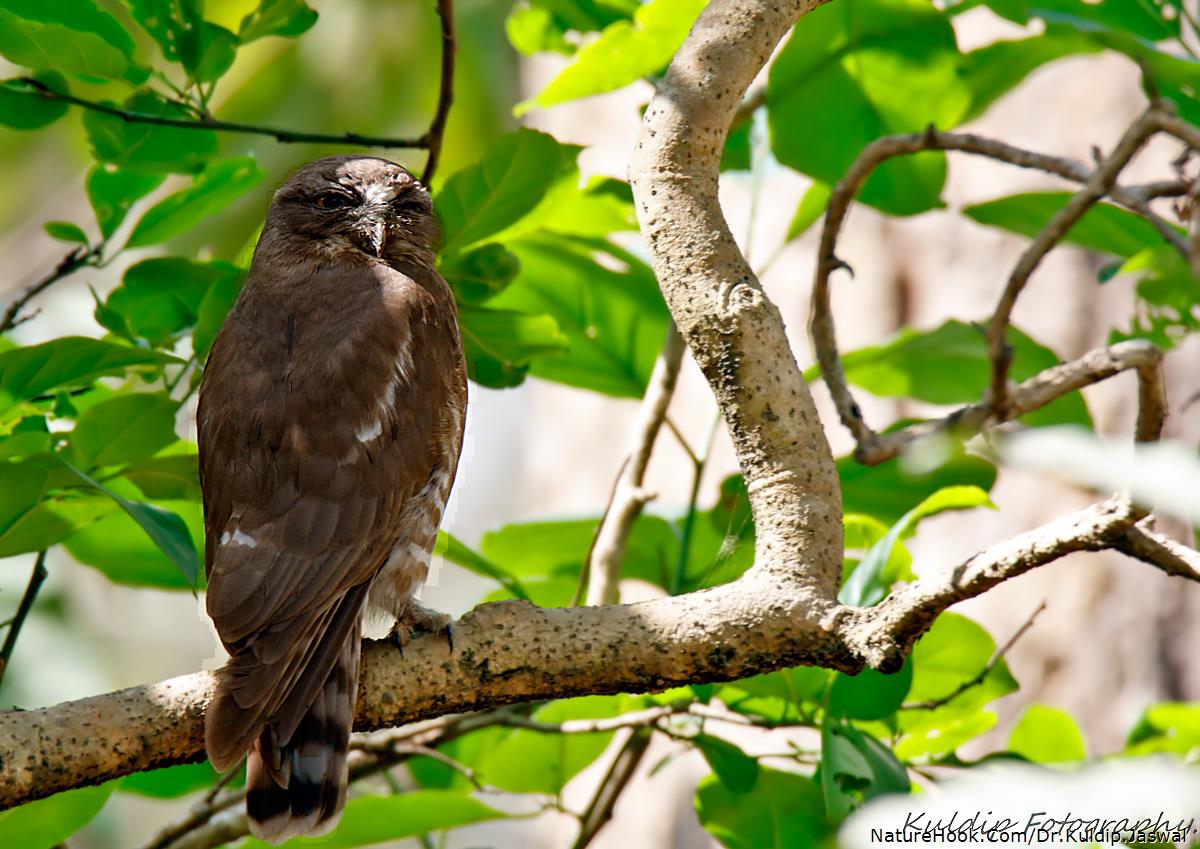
(330, 424)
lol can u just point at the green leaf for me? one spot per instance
(612, 314)
(216, 304)
(159, 298)
(844, 771)
(148, 147)
(886, 492)
(533, 29)
(737, 770)
(165, 528)
(889, 775)
(52, 521)
(954, 651)
(456, 552)
(624, 53)
(173, 781)
(785, 811)
(1047, 734)
(949, 365)
(167, 477)
(112, 192)
(23, 107)
(478, 274)
(1166, 727)
(68, 36)
(123, 430)
(213, 189)
(869, 694)
(535, 762)
(508, 182)
(852, 73)
(21, 488)
(66, 362)
(869, 583)
(368, 820)
(811, 208)
(1104, 228)
(992, 71)
(501, 344)
(65, 231)
(288, 18)
(48, 822)
(205, 50)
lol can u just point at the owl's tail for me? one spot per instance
(298, 786)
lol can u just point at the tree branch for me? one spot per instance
(76, 259)
(208, 123)
(1035, 393)
(36, 579)
(437, 127)
(603, 563)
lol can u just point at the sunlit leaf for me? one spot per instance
(48, 822)
(1046, 734)
(148, 147)
(68, 36)
(625, 52)
(855, 72)
(288, 18)
(22, 106)
(213, 189)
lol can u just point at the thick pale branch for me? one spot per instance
(888, 631)
(734, 331)
(1174, 558)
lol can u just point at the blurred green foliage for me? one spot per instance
(89, 452)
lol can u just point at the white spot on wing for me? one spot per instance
(368, 432)
(238, 537)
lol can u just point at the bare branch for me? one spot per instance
(36, 579)
(77, 258)
(1038, 391)
(997, 656)
(1143, 543)
(889, 630)
(437, 127)
(205, 122)
(624, 765)
(821, 324)
(1098, 185)
(629, 497)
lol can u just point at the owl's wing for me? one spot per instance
(312, 439)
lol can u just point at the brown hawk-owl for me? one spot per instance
(330, 423)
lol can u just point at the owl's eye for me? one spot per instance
(408, 204)
(333, 200)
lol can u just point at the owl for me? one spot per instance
(330, 424)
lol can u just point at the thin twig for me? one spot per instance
(821, 326)
(207, 123)
(1038, 391)
(1098, 185)
(36, 580)
(600, 809)
(76, 259)
(603, 565)
(934, 704)
(437, 127)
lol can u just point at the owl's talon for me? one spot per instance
(418, 620)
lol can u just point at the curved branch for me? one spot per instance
(734, 331)
(437, 127)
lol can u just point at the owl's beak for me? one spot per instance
(370, 234)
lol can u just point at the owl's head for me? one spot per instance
(359, 204)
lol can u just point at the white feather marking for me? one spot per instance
(369, 432)
(238, 537)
